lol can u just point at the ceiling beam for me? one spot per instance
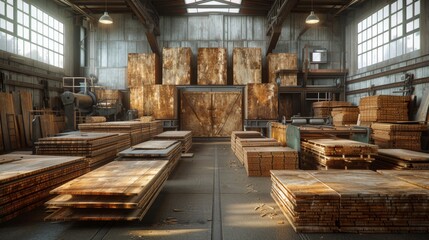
(352, 2)
(77, 9)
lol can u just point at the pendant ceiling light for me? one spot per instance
(312, 18)
(105, 19)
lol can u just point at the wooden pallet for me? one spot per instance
(185, 137)
(243, 143)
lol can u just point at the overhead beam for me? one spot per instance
(77, 9)
(352, 2)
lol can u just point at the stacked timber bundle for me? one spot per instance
(352, 201)
(383, 108)
(399, 159)
(242, 143)
(323, 109)
(258, 161)
(345, 115)
(185, 137)
(278, 132)
(399, 135)
(156, 128)
(243, 134)
(97, 148)
(336, 154)
(27, 179)
(167, 150)
(132, 128)
(123, 191)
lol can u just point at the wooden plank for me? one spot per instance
(160, 101)
(405, 154)
(282, 61)
(164, 153)
(142, 69)
(27, 107)
(154, 144)
(247, 65)
(176, 66)
(261, 101)
(212, 66)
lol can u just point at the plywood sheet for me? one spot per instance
(26, 108)
(176, 66)
(143, 69)
(137, 100)
(261, 101)
(281, 61)
(247, 65)
(160, 101)
(212, 66)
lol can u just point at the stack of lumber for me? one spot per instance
(242, 143)
(278, 132)
(132, 128)
(398, 135)
(383, 108)
(351, 201)
(323, 109)
(398, 159)
(27, 179)
(123, 190)
(185, 137)
(156, 128)
(336, 154)
(243, 134)
(418, 178)
(97, 148)
(258, 161)
(167, 150)
(345, 115)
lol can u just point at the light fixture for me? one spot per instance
(312, 18)
(105, 19)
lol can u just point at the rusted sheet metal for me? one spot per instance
(143, 69)
(160, 101)
(261, 101)
(176, 66)
(282, 61)
(247, 65)
(212, 66)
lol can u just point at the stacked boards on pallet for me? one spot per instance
(185, 137)
(258, 161)
(27, 179)
(242, 143)
(243, 134)
(399, 159)
(336, 154)
(351, 201)
(398, 135)
(167, 150)
(278, 132)
(156, 128)
(97, 148)
(323, 109)
(383, 108)
(345, 115)
(123, 191)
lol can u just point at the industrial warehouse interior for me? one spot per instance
(214, 119)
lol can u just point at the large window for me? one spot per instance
(390, 32)
(28, 31)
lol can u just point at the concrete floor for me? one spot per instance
(208, 196)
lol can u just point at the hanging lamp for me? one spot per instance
(105, 19)
(312, 18)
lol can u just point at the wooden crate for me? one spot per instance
(176, 66)
(261, 101)
(160, 101)
(137, 100)
(212, 66)
(282, 61)
(143, 69)
(247, 65)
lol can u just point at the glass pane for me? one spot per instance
(2, 8)
(400, 17)
(10, 47)
(380, 40)
(26, 7)
(20, 31)
(393, 34)
(26, 33)
(359, 38)
(400, 5)
(400, 46)
(9, 26)
(410, 26)
(20, 17)
(386, 24)
(417, 8)
(61, 49)
(359, 61)
(27, 48)
(379, 27)
(369, 45)
(364, 60)
(359, 48)
(409, 2)
(19, 4)
(380, 15)
(61, 38)
(374, 18)
(374, 57)
(369, 21)
(393, 20)
(380, 54)
(386, 11)
(400, 31)
(386, 52)
(359, 27)
(33, 11)
(416, 24)
(409, 12)
(364, 24)
(409, 43)
(392, 49)
(393, 7)
(9, 11)
(374, 30)
(364, 47)
(416, 40)
(20, 48)
(369, 58)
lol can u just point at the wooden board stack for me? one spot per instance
(97, 148)
(258, 161)
(242, 143)
(323, 108)
(134, 129)
(345, 115)
(351, 201)
(383, 108)
(185, 137)
(27, 179)
(336, 154)
(156, 128)
(243, 134)
(124, 191)
(278, 132)
(399, 135)
(261, 101)
(399, 159)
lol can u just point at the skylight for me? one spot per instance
(220, 6)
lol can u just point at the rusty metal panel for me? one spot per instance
(247, 65)
(137, 100)
(282, 61)
(142, 69)
(176, 66)
(261, 101)
(211, 114)
(160, 101)
(212, 66)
